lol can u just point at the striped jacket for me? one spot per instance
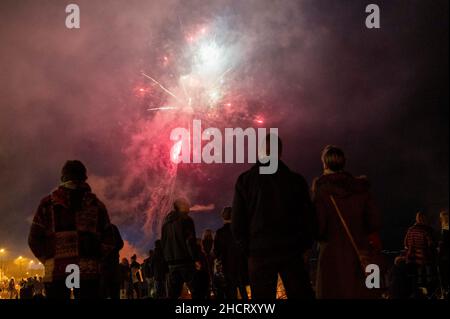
(71, 226)
(419, 244)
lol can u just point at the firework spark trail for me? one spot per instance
(162, 108)
(222, 76)
(162, 87)
(165, 197)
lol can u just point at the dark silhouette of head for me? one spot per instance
(226, 214)
(73, 170)
(421, 218)
(182, 205)
(333, 158)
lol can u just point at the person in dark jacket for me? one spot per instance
(179, 245)
(200, 283)
(125, 279)
(340, 274)
(136, 277)
(232, 260)
(207, 243)
(399, 283)
(110, 266)
(272, 220)
(147, 272)
(160, 270)
(70, 227)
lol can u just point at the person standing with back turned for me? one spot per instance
(340, 272)
(273, 222)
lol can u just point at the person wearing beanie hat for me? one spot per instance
(71, 227)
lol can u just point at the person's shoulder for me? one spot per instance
(93, 200)
(298, 177)
(415, 228)
(184, 218)
(46, 201)
(317, 183)
(363, 181)
(220, 231)
(246, 174)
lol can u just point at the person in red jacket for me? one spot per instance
(340, 274)
(420, 247)
(71, 226)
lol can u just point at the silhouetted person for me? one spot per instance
(136, 277)
(420, 256)
(200, 283)
(179, 246)
(272, 220)
(340, 273)
(12, 291)
(232, 259)
(207, 243)
(160, 271)
(111, 267)
(147, 271)
(38, 289)
(70, 227)
(444, 251)
(125, 279)
(399, 283)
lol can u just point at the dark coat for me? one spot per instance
(272, 214)
(340, 274)
(233, 260)
(178, 240)
(158, 265)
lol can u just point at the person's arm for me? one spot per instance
(191, 239)
(239, 218)
(104, 226)
(321, 212)
(37, 239)
(308, 218)
(406, 240)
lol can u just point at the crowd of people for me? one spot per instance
(26, 288)
(275, 224)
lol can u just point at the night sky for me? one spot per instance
(310, 68)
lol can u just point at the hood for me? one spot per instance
(341, 184)
(64, 192)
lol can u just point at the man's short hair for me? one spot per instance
(73, 170)
(333, 158)
(226, 213)
(179, 202)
